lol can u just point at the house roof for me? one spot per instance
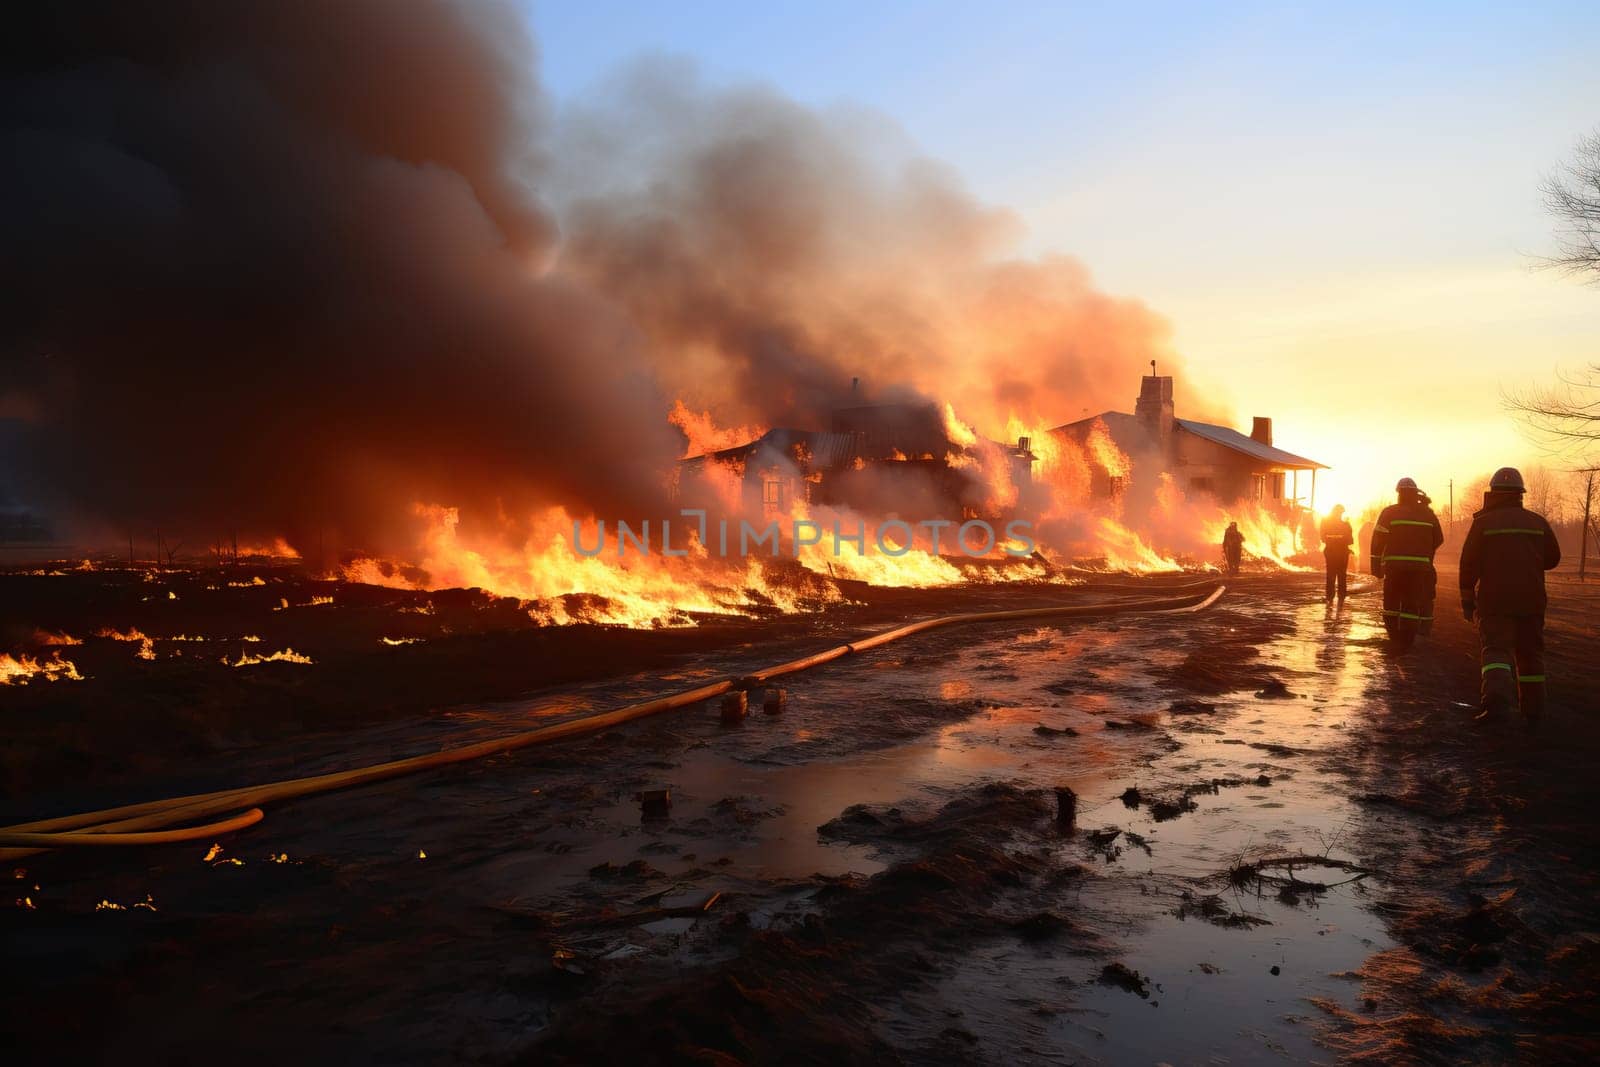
(1239, 442)
(1121, 425)
(827, 449)
(1116, 422)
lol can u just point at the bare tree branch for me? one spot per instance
(1572, 195)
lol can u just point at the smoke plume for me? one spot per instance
(296, 266)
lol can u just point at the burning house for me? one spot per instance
(876, 459)
(1204, 459)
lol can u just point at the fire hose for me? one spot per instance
(151, 822)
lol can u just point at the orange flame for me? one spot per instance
(704, 435)
(249, 659)
(147, 646)
(20, 670)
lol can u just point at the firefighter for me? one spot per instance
(1426, 626)
(1337, 541)
(1503, 562)
(1232, 547)
(1404, 540)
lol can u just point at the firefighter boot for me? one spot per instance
(1530, 694)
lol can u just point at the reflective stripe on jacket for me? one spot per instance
(1406, 534)
(1505, 556)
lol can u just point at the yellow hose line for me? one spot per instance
(96, 838)
(125, 822)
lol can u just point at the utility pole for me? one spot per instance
(1583, 534)
(1452, 507)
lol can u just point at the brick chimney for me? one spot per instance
(1261, 430)
(1154, 409)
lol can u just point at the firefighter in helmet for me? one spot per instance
(1232, 547)
(1503, 561)
(1337, 541)
(1404, 540)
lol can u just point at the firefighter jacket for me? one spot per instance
(1406, 535)
(1337, 537)
(1505, 556)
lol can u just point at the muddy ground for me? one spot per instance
(1289, 844)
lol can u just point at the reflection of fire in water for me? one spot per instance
(20, 670)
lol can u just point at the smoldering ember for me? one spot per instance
(586, 533)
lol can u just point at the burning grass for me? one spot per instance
(21, 670)
(250, 659)
(147, 646)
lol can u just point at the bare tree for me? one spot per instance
(1469, 498)
(1565, 418)
(1572, 195)
(1584, 481)
(1545, 493)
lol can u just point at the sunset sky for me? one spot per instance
(1337, 210)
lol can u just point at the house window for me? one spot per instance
(1202, 485)
(1117, 484)
(771, 495)
(1258, 487)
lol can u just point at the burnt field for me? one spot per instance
(163, 685)
(180, 665)
(1289, 845)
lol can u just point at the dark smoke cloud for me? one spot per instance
(293, 266)
(782, 251)
(278, 265)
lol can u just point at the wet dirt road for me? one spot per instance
(524, 907)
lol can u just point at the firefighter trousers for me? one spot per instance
(1407, 598)
(1513, 661)
(1338, 568)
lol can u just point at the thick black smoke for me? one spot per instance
(281, 266)
(288, 267)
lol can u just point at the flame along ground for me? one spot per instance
(21, 670)
(540, 565)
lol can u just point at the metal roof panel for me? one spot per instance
(1240, 442)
